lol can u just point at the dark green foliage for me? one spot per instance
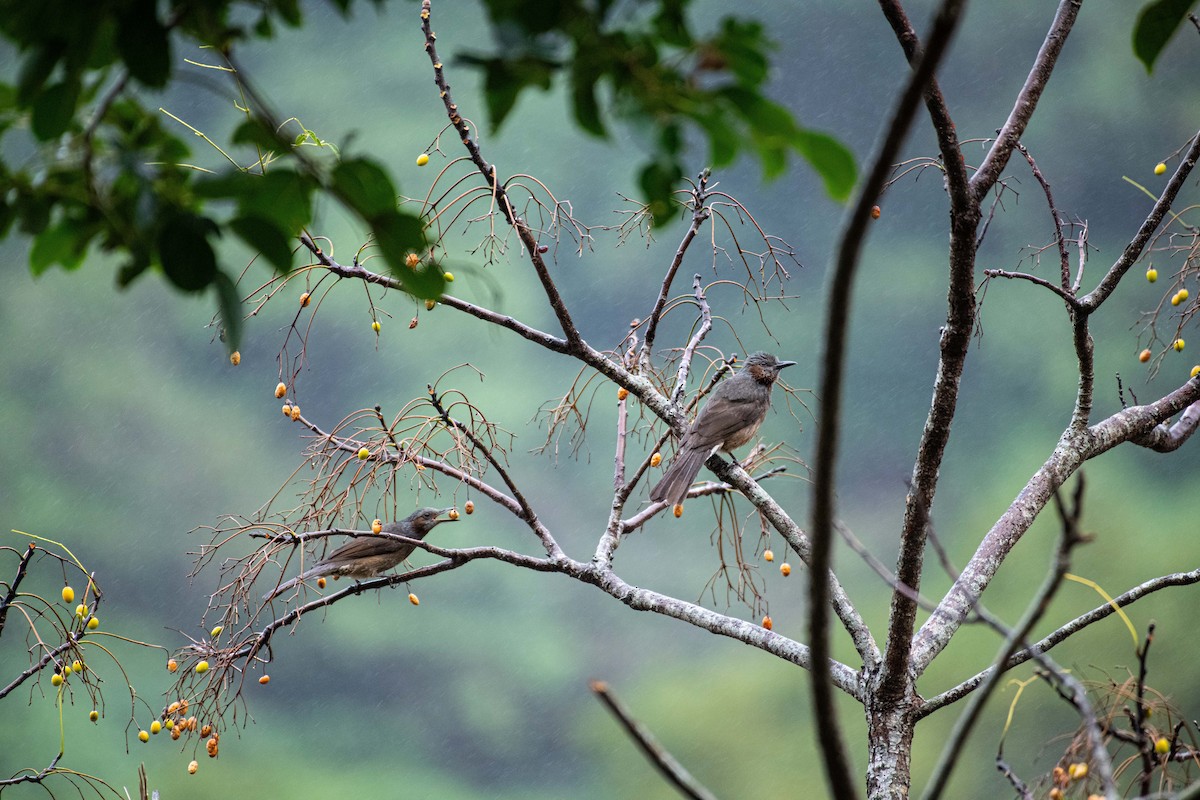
(108, 174)
(1156, 24)
(654, 70)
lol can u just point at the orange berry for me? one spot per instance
(280, 390)
(769, 555)
(469, 507)
(1056, 794)
(192, 767)
(376, 526)
(287, 409)
(453, 514)
(304, 299)
(429, 304)
(412, 260)
(875, 212)
(622, 393)
(767, 623)
(235, 358)
(176, 732)
(320, 583)
(172, 665)
(785, 569)
(264, 680)
(1144, 356)
(171, 709)
(678, 510)
(295, 413)
(656, 459)
(206, 730)
(412, 598)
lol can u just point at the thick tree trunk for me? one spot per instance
(890, 725)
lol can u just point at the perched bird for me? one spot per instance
(368, 556)
(728, 420)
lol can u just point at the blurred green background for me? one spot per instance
(125, 427)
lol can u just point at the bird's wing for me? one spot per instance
(364, 547)
(717, 421)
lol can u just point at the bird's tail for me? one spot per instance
(318, 570)
(673, 486)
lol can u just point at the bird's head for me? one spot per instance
(764, 367)
(423, 520)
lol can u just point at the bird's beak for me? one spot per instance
(782, 364)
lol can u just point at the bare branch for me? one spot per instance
(671, 769)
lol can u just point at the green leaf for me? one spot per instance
(365, 187)
(1156, 23)
(723, 141)
(57, 245)
(53, 110)
(35, 70)
(266, 237)
(587, 110)
(253, 132)
(282, 196)
(832, 160)
(397, 235)
(186, 256)
(143, 44)
(229, 303)
(658, 181)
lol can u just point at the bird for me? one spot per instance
(728, 420)
(368, 556)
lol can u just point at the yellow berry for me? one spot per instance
(429, 304)
(469, 507)
(453, 514)
(375, 326)
(412, 598)
(77, 665)
(449, 276)
(1176, 299)
(155, 727)
(235, 358)
(143, 736)
(411, 260)
(768, 623)
(56, 680)
(622, 393)
(1056, 794)
(320, 583)
(93, 623)
(304, 300)
(422, 159)
(376, 526)
(1196, 370)
(287, 409)
(364, 453)
(769, 555)
(1162, 746)
(94, 715)
(67, 671)
(281, 389)
(785, 569)
(1078, 771)
(1178, 345)
(295, 413)
(678, 510)
(1160, 168)
(264, 680)
(1144, 356)
(1152, 274)
(656, 459)
(172, 665)
(68, 594)
(215, 632)
(202, 667)
(192, 767)
(1182, 294)
(81, 610)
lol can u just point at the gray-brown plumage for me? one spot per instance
(728, 420)
(368, 556)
